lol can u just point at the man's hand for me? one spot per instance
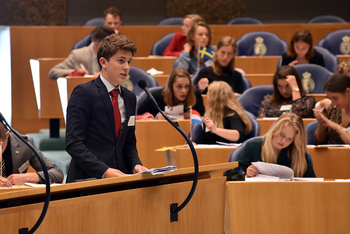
(139, 168)
(20, 179)
(111, 172)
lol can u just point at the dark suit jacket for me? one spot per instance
(90, 132)
(23, 156)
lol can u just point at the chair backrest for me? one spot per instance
(137, 74)
(336, 42)
(235, 154)
(310, 130)
(85, 41)
(330, 60)
(260, 43)
(313, 77)
(244, 20)
(252, 97)
(326, 19)
(255, 126)
(143, 96)
(246, 83)
(94, 22)
(171, 21)
(159, 46)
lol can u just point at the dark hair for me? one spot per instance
(224, 41)
(337, 83)
(113, 11)
(168, 92)
(112, 43)
(100, 32)
(305, 36)
(2, 132)
(282, 73)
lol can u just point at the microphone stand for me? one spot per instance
(46, 175)
(174, 208)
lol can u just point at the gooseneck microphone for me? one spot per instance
(174, 208)
(46, 175)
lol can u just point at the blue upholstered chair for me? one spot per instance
(85, 41)
(313, 77)
(310, 130)
(171, 21)
(235, 154)
(137, 74)
(252, 97)
(330, 60)
(246, 83)
(244, 20)
(260, 43)
(94, 22)
(336, 42)
(143, 96)
(196, 128)
(326, 19)
(159, 46)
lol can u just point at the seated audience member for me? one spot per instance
(343, 67)
(199, 35)
(334, 123)
(83, 60)
(224, 119)
(283, 144)
(301, 51)
(113, 19)
(288, 90)
(178, 90)
(223, 67)
(176, 45)
(16, 159)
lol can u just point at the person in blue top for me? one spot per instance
(199, 35)
(283, 144)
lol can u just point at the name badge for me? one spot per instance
(24, 167)
(131, 121)
(285, 107)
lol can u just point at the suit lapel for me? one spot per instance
(106, 102)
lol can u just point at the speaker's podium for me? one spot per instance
(132, 204)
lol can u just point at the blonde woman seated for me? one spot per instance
(283, 144)
(224, 119)
(287, 90)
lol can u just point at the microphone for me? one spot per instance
(174, 207)
(143, 85)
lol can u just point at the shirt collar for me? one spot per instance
(109, 86)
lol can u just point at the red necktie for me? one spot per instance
(117, 117)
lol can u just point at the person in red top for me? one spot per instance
(176, 45)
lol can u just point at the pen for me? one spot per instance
(82, 66)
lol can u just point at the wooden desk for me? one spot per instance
(131, 204)
(260, 79)
(342, 58)
(257, 64)
(287, 207)
(265, 124)
(160, 63)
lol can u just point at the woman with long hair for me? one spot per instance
(287, 90)
(178, 90)
(283, 144)
(199, 35)
(176, 45)
(334, 122)
(301, 51)
(223, 67)
(224, 119)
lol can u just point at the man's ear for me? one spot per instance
(347, 90)
(7, 134)
(103, 62)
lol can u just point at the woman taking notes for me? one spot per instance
(178, 90)
(283, 144)
(224, 119)
(334, 125)
(223, 68)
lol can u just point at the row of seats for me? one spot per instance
(239, 20)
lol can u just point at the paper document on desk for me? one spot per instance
(272, 169)
(161, 170)
(175, 111)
